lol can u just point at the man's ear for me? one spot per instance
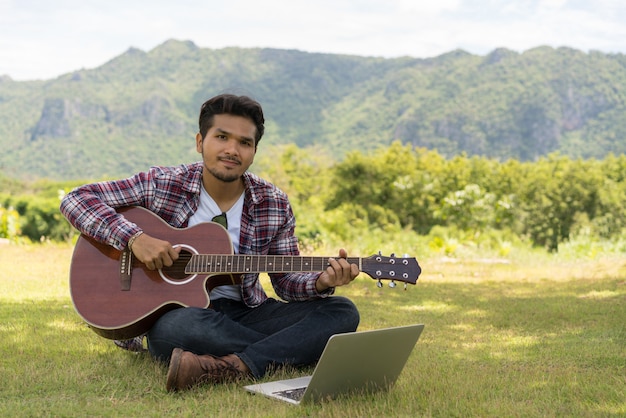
(199, 140)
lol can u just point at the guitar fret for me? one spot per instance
(307, 263)
(269, 263)
(229, 263)
(216, 263)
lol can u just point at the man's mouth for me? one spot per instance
(230, 161)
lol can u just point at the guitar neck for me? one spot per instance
(241, 263)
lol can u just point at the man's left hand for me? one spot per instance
(338, 273)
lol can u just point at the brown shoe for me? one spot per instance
(187, 370)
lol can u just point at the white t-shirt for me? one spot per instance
(207, 210)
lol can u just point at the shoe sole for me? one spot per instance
(172, 372)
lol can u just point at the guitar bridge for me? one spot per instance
(126, 269)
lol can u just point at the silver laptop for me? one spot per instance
(366, 361)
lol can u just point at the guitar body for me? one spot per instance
(96, 285)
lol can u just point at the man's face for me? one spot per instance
(228, 148)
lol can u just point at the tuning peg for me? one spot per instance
(379, 283)
(392, 255)
(392, 284)
(404, 285)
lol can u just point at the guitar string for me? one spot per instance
(315, 263)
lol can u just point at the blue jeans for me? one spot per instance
(273, 333)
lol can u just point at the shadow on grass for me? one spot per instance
(46, 348)
(477, 318)
(557, 344)
(488, 348)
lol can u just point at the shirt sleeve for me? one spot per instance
(91, 208)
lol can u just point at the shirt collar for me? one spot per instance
(248, 179)
(194, 185)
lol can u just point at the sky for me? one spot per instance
(43, 39)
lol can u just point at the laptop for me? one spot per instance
(365, 361)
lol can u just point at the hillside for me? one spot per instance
(141, 108)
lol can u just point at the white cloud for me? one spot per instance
(43, 39)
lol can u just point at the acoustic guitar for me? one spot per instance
(120, 298)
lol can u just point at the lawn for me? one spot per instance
(524, 336)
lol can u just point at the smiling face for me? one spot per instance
(228, 149)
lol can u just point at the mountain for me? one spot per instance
(141, 108)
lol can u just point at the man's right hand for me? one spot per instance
(153, 252)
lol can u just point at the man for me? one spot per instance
(244, 332)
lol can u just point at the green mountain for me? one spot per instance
(141, 108)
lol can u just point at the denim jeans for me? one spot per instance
(273, 333)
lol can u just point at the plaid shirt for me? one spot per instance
(173, 193)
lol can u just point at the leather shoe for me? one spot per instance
(188, 369)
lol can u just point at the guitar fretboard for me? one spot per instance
(218, 263)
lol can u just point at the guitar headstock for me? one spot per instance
(396, 269)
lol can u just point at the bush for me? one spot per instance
(40, 218)
(9, 223)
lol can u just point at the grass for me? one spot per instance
(537, 335)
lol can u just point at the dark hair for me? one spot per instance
(232, 105)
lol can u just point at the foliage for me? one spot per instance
(9, 223)
(140, 108)
(34, 213)
(545, 201)
(402, 190)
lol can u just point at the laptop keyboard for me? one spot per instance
(295, 394)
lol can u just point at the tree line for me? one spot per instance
(399, 188)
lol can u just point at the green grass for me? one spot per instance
(537, 335)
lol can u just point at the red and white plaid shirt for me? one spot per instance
(173, 193)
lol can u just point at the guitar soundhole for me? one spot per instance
(177, 270)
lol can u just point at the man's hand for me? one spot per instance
(153, 252)
(338, 273)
